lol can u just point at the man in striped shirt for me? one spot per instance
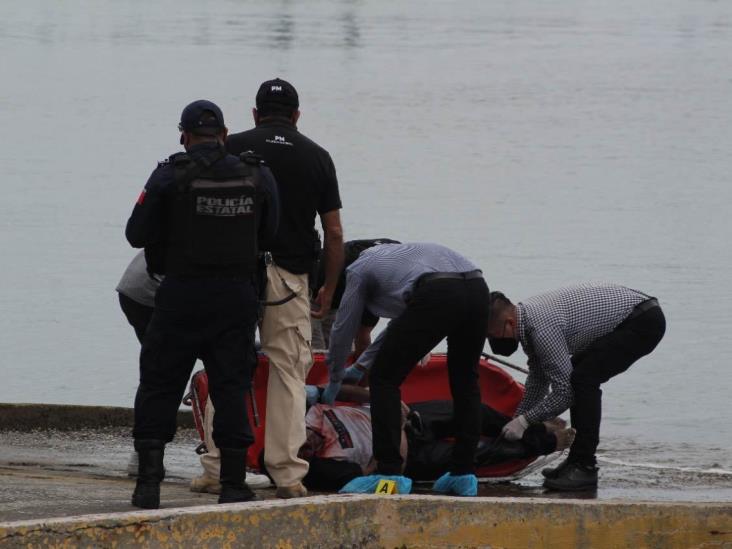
(576, 338)
(430, 292)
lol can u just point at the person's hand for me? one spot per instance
(323, 301)
(353, 374)
(405, 413)
(514, 429)
(405, 408)
(331, 390)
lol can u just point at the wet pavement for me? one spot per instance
(48, 473)
(55, 474)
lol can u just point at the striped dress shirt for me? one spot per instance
(380, 281)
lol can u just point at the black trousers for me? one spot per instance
(437, 419)
(603, 359)
(430, 449)
(208, 318)
(458, 310)
(138, 315)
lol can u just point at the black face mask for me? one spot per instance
(505, 346)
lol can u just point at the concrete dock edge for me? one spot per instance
(393, 521)
(64, 417)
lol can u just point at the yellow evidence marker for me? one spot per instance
(386, 488)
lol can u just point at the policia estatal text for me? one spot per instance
(202, 219)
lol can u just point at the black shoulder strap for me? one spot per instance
(187, 169)
(251, 158)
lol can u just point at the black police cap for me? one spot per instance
(277, 92)
(202, 117)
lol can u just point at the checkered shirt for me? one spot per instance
(555, 325)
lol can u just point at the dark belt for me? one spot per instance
(244, 277)
(431, 277)
(642, 307)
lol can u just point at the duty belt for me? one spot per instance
(642, 307)
(431, 277)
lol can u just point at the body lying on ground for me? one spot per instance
(339, 441)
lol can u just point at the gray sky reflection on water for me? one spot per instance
(549, 143)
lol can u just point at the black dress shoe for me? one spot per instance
(553, 472)
(574, 477)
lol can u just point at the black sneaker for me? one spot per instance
(574, 477)
(552, 472)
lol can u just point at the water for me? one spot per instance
(549, 142)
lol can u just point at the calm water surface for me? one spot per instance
(549, 142)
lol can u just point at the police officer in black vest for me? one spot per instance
(202, 218)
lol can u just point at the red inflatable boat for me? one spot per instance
(430, 382)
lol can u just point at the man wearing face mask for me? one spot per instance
(576, 338)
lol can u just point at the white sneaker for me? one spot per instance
(255, 480)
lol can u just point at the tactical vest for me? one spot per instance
(213, 220)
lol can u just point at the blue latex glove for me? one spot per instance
(312, 394)
(328, 396)
(368, 484)
(353, 374)
(459, 485)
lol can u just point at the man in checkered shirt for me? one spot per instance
(576, 338)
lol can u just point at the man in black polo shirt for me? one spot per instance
(308, 185)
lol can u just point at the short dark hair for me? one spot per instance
(498, 304)
(499, 299)
(275, 109)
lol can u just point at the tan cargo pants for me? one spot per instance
(286, 335)
(211, 461)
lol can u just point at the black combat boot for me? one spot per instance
(233, 474)
(150, 473)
